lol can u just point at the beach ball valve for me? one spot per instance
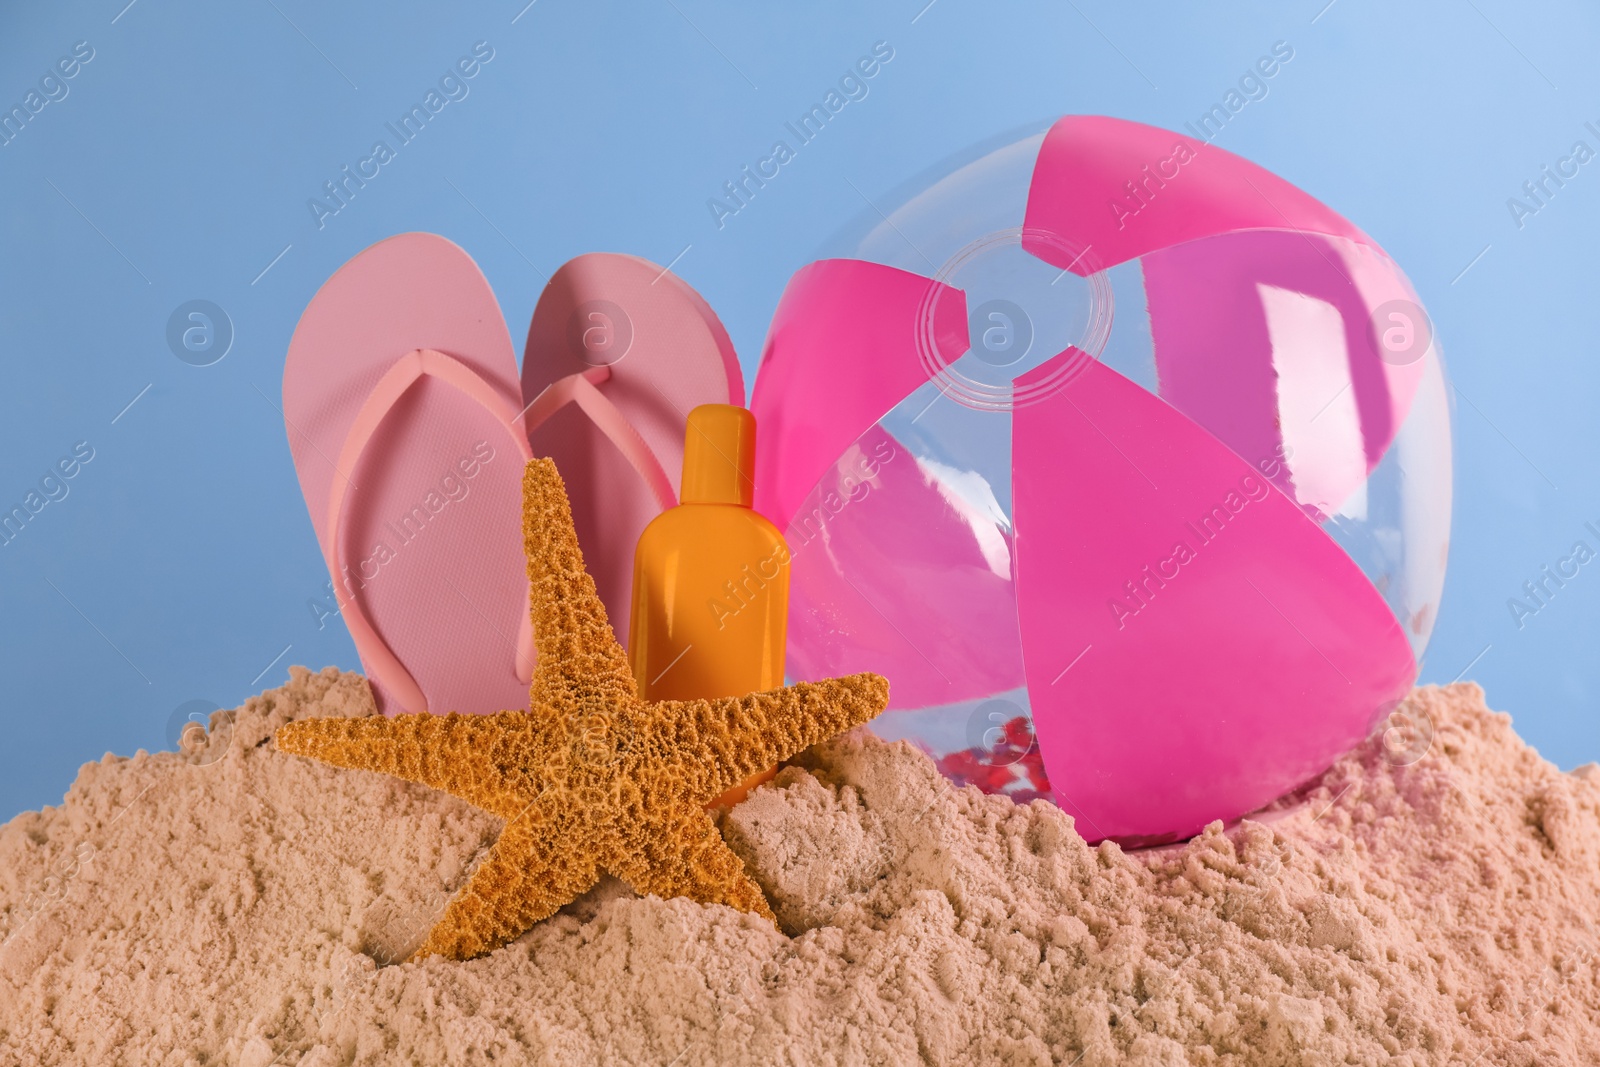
(1133, 480)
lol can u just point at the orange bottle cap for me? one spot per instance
(719, 456)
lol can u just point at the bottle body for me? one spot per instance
(711, 579)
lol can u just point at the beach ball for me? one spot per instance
(1126, 461)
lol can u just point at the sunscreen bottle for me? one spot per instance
(711, 579)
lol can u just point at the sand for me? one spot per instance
(238, 905)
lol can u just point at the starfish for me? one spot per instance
(590, 778)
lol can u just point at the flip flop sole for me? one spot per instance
(428, 545)
(666, 353)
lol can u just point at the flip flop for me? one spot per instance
(404, 419)
(619, 351)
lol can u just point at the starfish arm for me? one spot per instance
(677, 852)
(491, 761)
(534, 869)
(714, 745)
(581, 666)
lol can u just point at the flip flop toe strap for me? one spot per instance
(580, 389)
(379, 660)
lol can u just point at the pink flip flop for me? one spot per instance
(619, 351)
(404, 419)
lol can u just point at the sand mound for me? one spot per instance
(243, 906)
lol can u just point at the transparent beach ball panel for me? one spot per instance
(1162, 526)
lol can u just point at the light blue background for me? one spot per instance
(180, 164)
